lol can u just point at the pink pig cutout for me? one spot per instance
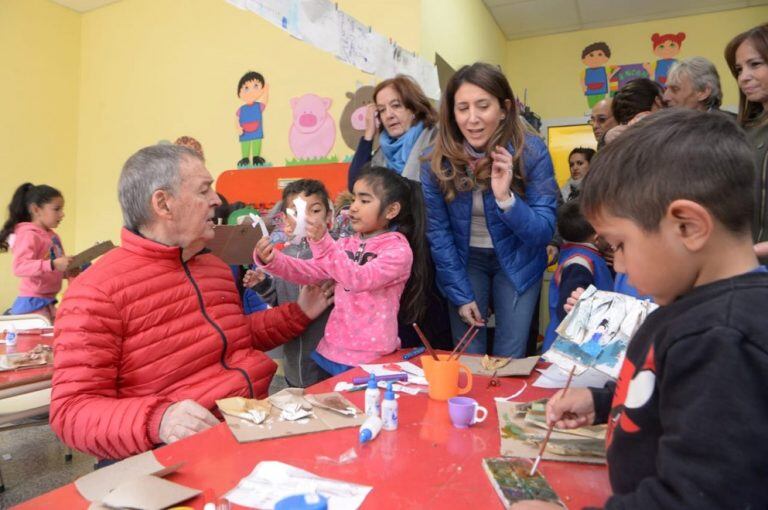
(313, 131)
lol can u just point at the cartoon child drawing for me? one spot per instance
(254, 93)
(594, 80)
(665, 47)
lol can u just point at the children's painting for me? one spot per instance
(253, 91)
(594, 79)
(313, 131)
(513, 483)
(352, 122)
(523, 427)
(597, 331)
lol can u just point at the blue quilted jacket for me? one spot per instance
(520, 235)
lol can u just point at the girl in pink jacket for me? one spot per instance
(38, 256)
(378, 271)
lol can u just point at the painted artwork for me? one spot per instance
(352, 122)
(625, 73)
(666, 47)
(253, 91)
(512, 481)
(597, 331)
(594, 78)
(313, 131)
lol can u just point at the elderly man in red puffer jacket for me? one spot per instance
(153, 334)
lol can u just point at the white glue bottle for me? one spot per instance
(10, 336)
(372, 405)
(389, 409)
(370, 429)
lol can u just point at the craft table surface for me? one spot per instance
(425, 464)
(25, 376)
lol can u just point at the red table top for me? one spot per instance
(20, 377)
(426, 463)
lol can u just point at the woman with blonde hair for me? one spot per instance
(491, 201)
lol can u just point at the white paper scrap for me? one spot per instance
(299, 214)
(271, 481)
(554, 377)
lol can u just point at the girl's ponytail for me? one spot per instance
(17, 213)
(410, 222)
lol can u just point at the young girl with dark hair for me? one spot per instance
(38, 256)
(378, 271)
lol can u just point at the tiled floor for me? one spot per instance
(32, 461)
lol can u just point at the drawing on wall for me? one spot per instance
(253, 91)
(352, 122)
(594, 79)
(666, 47)
(313, 131)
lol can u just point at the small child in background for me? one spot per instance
(300, 370)
(38, 256)
(581, 265)
(372, 269)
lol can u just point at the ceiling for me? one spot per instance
(84, 5)
(527, 18)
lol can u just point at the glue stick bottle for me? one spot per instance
(372, 405)
(370, 429)
(389, 409)
(10, 336)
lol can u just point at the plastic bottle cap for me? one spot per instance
(390, 394)
(372, 382)
(365, 435)
(312, 501)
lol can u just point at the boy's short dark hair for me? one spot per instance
(635, 97)
(674, 154)
(249, 76)
(596, 46)
(572, 225)
(308, 187)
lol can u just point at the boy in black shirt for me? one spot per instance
(688, 417)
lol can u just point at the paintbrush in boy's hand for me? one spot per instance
(551, 426)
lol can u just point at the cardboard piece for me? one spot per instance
(21, 360)
(521, 439)
(90, 254)
(96, 485)
(148, 492)
(321, 420)
(234, 244)
(516, 367)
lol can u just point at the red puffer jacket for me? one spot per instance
(141, 330)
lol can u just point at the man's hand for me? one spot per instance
(314, 299)
(61, 263)
(470, 314)
(575, 409)
(265, 250)
(183, 419)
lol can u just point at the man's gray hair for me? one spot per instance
(703, 75)
(152, 168)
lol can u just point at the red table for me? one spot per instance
(25, 380)
(426, 463)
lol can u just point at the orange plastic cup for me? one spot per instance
(443, 377)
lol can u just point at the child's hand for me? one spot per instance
(265, 250)
(501, 173)
(316, 228)
(552, 254)
(575, 409)
(314, 299)
(252, 277)
(370, 122)
(571, 301)
(61, 263)
(470, 314)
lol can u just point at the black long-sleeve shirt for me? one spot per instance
(688, 426)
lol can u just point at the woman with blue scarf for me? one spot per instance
(406, 123)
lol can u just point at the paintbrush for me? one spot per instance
(552, 425)
(426, 343)
(466, 344)
(460, 342)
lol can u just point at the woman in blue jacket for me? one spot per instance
(491, 201)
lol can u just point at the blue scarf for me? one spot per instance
(397, 150)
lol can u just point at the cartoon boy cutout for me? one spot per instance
(594, 80)
(665, 47)
(254, 93)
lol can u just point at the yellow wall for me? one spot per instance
(39, 78)
(550, 66)
(462, 32)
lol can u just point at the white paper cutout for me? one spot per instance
(299, 214)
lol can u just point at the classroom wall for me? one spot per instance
(550, 66)
(462, 32)
(39, 79)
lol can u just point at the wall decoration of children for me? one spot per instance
(253, 91)
(594, 79)
(665, 47)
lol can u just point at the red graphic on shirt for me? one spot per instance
(627, 387)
